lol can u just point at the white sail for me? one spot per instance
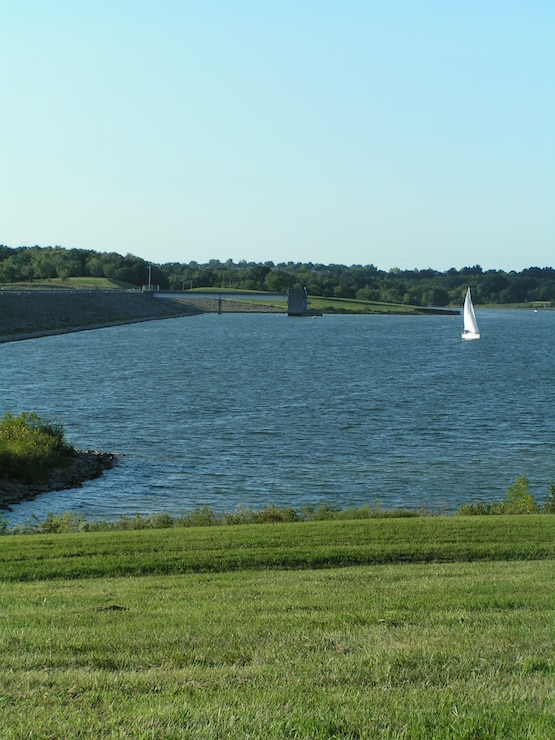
(470, 330)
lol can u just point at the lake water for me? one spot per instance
(244, 409)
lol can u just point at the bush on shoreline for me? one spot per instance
(201, 516)
(30, 448)
(518, 501)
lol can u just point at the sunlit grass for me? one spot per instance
(352, 305)
(87, 283)
(320, 544)
(390, 651)
(415, 628)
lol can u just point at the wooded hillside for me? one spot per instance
(418, 287)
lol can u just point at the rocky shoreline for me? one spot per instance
(86, 465)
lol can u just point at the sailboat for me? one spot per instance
(470, 330)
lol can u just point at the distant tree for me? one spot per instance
(418, 287)
(94, 266)
(435, 296)
(278, 281)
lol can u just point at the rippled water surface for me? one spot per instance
(249, 409)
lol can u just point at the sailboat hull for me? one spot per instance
(470, 335)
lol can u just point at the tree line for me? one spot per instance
(426, 287)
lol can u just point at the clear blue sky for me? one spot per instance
(416, 133)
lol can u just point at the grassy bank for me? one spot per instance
(72, 283)
(250, 632)
(350, 306)
(323, 544)
(321, 304)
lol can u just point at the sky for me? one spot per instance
(407, 133)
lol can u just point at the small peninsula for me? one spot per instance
(35, 458)
(86, 465)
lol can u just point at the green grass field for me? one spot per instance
(72, 283)
(429, 627)
(318, 303)
(338, 305)
(351, 305)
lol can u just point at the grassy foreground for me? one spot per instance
(434, 628)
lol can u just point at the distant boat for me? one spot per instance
(470, 330)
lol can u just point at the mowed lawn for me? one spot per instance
(250, 632)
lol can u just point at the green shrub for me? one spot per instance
(100, 525)
(320, 512)
(242, 515)
(58, 524)
(270, 514)
(479, 508)
(518, 500)
(200, 516)
(161, 520)
(30, 447)
(549, 506)
(375, 511)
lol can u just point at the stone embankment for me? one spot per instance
(86, 465)
(37, 313)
